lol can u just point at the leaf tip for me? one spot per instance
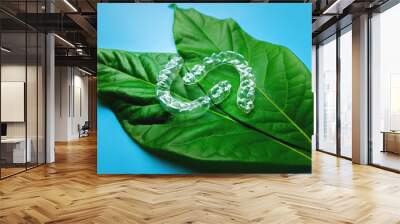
(172, 6)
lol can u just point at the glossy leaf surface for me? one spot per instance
(284, 101)
(213, 142)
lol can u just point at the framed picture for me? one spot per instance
(204, 88)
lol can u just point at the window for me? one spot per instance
(22, 77)
(346, 92)
(327, 95)
(385, 89)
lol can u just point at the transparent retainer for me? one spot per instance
(217, 94)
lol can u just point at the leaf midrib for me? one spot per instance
(219, 114)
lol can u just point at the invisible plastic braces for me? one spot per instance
(217, 94)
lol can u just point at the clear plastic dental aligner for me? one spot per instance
(217, 94)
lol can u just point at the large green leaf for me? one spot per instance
(214, 142)
(284, 100)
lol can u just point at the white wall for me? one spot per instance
(71, 102)
(62, 82)
(33, 127)
(80, 104)
(12, 73)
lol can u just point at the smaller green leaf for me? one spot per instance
(284, 99)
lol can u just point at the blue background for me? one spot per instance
(148, 28)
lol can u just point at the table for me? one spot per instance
(16, 147)
(391, 141)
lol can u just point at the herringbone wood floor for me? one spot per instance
(70, 191)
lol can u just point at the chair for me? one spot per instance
(84, 129)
